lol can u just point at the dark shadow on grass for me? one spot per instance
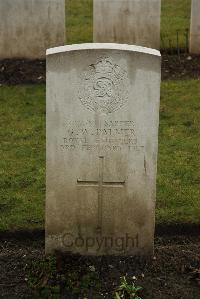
(172, 229)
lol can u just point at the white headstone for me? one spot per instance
(102, 134)
(195, 27)
(134, 22)
(29, 27)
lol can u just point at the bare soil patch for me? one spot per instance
(174, 67)
(174, 272)
(18, 71)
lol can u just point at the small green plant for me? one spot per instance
(46, 281)
(126, 290)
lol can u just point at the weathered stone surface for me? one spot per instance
(134, 22)
(195, 27)
(102, 132)
(29, 27)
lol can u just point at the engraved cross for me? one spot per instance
(100, 184)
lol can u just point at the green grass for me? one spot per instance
(175, 16)
(178, 178)
(79, 21)
(22, 164)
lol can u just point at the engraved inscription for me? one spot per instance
(104, 86)
(110, 136)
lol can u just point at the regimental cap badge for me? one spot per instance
(104, 86)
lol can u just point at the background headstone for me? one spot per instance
(29, 27)
(102, 132)
(195, 27)
(127, 21)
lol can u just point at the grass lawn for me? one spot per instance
(22, 164)
(178, 177)
(175, 16)
(79, 21)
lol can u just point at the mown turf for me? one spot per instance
(178, 178)
(175, 16)
(22, 164)
(79, 21)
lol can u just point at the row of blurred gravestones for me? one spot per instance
(29, 27)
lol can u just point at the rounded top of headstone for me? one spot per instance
(102, 46)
